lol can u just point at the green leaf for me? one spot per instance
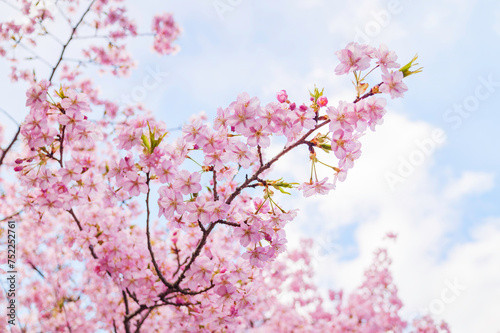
(406, 68)
(283, 191)
(145, 141)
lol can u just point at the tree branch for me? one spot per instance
(148, 236)
(216, 196)
(36, 269)
(69, 40)
(140, 322)
(4, 152)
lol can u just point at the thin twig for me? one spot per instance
(36, 56)
(126, 320)
(233, 224)
(216, 196)
(300, 141)
(9, 116)
(36, 269)
(11, 216)
(148, 236)
(141, 321)
(4, 152)
(107, 37)
(260, 155)
(70, 39)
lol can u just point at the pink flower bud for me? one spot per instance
(292, 106)
(19, 161)
(322, 101)
(303, 107)
(18, 168)
(282, 96)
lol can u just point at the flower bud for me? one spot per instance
(322, 101)
(282, 96)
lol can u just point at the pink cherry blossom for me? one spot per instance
(342, 143)
(342, 117)
(317, 187)
(86, 176)
(248, 234)
(170, 202)
(353, 57)
(322, 101)
(393, 84)
(167, 31)
(135, 184)
(188, 182)
(282, 96)
(386, 59)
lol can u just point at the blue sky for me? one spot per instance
(446, 211)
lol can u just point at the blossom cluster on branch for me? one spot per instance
(215, 257)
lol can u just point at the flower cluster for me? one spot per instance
(167, 31)
(349, 120)
(63, 174)
(129, 225)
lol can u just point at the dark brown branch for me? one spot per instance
(126, 320)
(196, 253)
(61, 147)
(372, 92)
(300, 141)
(4, 152)
(125, 300)
(36, 269)
(69, 40)
(266, 166)
(176, 250)
(11, 216)
(133, 296)
(260, 155)
(233, 224)
(141, 321)
(201, 226)
(216, 196)
(179, 265)
(148, 236)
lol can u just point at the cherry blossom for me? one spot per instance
(127, 229)
(393, 84)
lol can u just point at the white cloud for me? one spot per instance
(469, 183)
(496, 23)
(421, 211)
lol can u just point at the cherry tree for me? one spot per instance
(84, 177)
